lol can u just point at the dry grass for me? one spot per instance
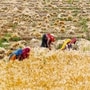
(47, 70)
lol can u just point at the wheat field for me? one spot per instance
(47, 70)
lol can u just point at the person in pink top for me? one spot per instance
(25, 53)
(47, 40)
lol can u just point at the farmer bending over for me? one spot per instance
(47, 40)
(68, 43)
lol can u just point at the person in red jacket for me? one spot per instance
(47, 40)
(25, 53)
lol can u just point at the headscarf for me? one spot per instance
(26, 50)
(51, 36)
(73, 40)
(18, 52)
(25, 53)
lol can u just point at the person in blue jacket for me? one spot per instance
(16, 54)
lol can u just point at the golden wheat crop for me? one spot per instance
(47, 70)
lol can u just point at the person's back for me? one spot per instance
(65, 44)
(47, 39)
(44, 41)
(16, 54)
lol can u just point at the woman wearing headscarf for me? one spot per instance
(25, 53)
(47, 40)
(68, 43)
